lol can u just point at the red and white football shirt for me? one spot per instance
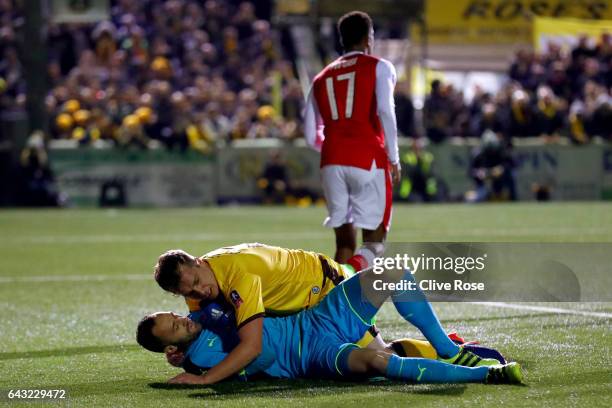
(350, 119)
(350, 112)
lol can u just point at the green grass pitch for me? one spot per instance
(74, 283)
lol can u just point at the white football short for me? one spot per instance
(358, 196)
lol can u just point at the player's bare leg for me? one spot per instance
(346, 242)
(378, 343)
(377, 235)
(403, 347)
(372, 247)
(366, 362)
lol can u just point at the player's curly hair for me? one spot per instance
(353, 27)
(145, 336)
(166, 271)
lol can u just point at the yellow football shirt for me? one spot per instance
(258, 279)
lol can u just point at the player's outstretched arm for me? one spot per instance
(247, 350)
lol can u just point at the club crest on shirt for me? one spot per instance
(235, 298)
(316, 290)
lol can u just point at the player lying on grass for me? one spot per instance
(319, 342)
(264, 279)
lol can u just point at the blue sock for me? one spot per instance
(424, 370)
(414, 307)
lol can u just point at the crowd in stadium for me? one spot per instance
(193, 74)
(173, 73)
(551, 94)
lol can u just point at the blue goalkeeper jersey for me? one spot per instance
(312, 343)
(280, 347)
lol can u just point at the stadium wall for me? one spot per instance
(162, 178)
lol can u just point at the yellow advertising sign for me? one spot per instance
(564, 31)
(501, 21)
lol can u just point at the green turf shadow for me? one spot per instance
(68, 351)
(266, 388)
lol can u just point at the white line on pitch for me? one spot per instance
(75, 278)
(515, 306)
(113, 238)
(263, 236)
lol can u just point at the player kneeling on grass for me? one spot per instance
(319, 342)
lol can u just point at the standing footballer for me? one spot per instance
(350, 119)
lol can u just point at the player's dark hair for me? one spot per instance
(166, 271)
(145, 336)
(353, 27)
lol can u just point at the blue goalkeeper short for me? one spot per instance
(330, 330)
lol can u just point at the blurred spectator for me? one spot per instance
(274, 182)
(215, 124)
(418, 181)
(436, 113)
(598, 109)
(266, 125)
(578, 123)
(12, 84)
(520, 70)
(404, 109)
(38, 184)
(104, 41)
(549, 120)
(131, 133)
(582, 50)
(240, 125)
(558, 80)
(492, 170)
(486, 119)
(520, 116)
(293, 101)
(277, 188)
